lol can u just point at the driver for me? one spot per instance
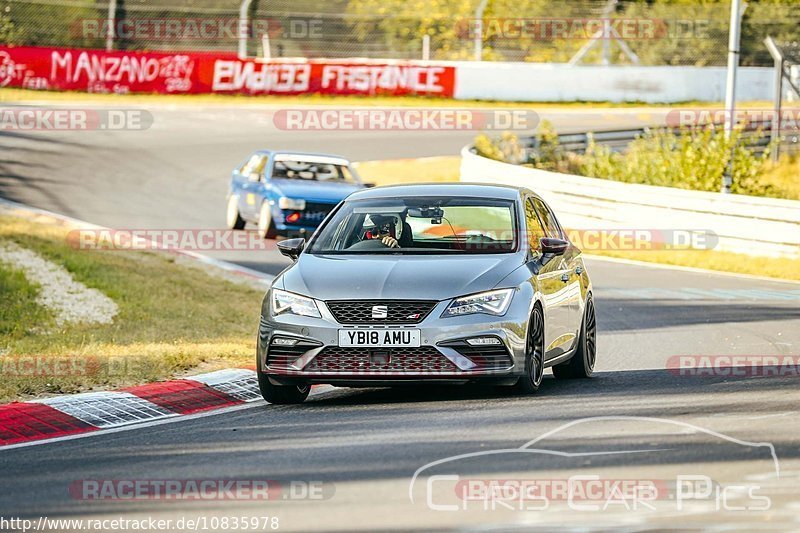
(387, 228)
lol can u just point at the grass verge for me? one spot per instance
(782, 268)
(423, 170)
(17, 95)
(172, 318)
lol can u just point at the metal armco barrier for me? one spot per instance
(744, 224)
(618, 140)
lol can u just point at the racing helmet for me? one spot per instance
(326, 172)
(383, 223)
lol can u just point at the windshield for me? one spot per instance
(311, 171)
(419, 225)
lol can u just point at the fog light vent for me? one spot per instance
(484, 341)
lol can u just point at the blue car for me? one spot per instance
(288, 193)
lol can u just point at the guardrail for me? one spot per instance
(618, 140)
(743, 224)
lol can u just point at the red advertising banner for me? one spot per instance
(197, 73)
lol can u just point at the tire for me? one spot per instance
(581, 365)
(232, 217)
(266, 227)
(534, 355)
(281, 394)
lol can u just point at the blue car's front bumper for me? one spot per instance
(307, 223)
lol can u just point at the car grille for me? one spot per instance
(425, 359)
(315, 212)
(397, 311)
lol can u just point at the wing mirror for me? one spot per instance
(291, 248)
(552, 246)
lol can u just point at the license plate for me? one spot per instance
(379, 338)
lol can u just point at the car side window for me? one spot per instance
(549, 221)
(255, 165)
(535, 229)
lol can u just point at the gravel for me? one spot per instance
(71, 301)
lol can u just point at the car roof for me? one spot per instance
(478, 190)
(303, 155)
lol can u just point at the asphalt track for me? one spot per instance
(364, 446)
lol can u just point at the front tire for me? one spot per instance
(266, 228)
(232, 217)
(534, 355)
(281, 394)
(581, 365)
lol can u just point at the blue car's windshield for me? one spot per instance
(419, 225)
(312, 171)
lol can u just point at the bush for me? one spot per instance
(507, 148)
(694, 159)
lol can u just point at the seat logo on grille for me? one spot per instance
(380, 311)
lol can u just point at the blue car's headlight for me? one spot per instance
(490, 303)
(290, 303)
(295, 204)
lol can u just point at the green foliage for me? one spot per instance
(8, 31)
(693, 159)
(548, 154)
(687, 32)
(506, 148)
(41, 24)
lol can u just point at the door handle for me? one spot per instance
(579, 271)
(565, 277)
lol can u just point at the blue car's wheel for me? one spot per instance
(266, 227)
(232, 217)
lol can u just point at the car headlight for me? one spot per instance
(295, 204)
(287, 302)
(489, 303)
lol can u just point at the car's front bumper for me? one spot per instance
(443, 356)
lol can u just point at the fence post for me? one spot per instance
(730, 89)
(775, 132)
(112, 23)
(243, 30)
(479, 30)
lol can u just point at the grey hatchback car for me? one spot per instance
(434, 284)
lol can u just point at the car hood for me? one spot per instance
(349, 277)
(314, 190)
